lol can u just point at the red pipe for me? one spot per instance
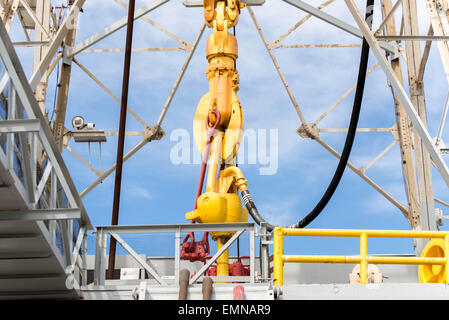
(238, 292)
(210, 133)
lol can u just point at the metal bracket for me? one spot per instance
(310, 130)
(186, 46)
(394, 54)
(154, 133)
(66, 57)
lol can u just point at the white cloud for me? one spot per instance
(281, 211)
(138, 192)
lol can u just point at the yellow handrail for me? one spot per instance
(363, 259)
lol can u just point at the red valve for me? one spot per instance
(237, 268)
(195, 250)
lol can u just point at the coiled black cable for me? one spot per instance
(247, 199)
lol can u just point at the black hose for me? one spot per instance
(247, 199)
(252, 210)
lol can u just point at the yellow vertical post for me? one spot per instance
(278, 261)
(364, 258)
(223, 260)
(446, 255)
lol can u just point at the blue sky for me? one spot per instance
(155, 191)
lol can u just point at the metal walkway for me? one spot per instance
(42, 220)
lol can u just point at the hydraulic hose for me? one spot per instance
(252, 210)
(247, 199)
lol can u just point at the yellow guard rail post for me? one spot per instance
(363, 259)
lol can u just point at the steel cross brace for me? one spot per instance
(138, 259)
(71, 52)
(400, 92)
(390, 47)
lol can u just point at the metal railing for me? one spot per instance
(102, 233)
(363, 259)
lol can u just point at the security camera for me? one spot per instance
(78, 122)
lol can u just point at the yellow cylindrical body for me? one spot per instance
(369, 233)
(221, 52)
(278, 262)
(358, 259)
(223, 260)
(321, 259)
(364, 258)
(446, 246)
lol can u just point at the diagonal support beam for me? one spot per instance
(138, 259)
(180, 76)
(278, 69)
(97, 81)
(391, 145)
(362, 175)
(301, 22)
(387, 18)
(157, 26)
(335, 22)
(440, 26)
(42, 183)
(400, 93)
(71, 52)
(425, 56)
(79, 241)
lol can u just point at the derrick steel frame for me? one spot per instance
(391, 48)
